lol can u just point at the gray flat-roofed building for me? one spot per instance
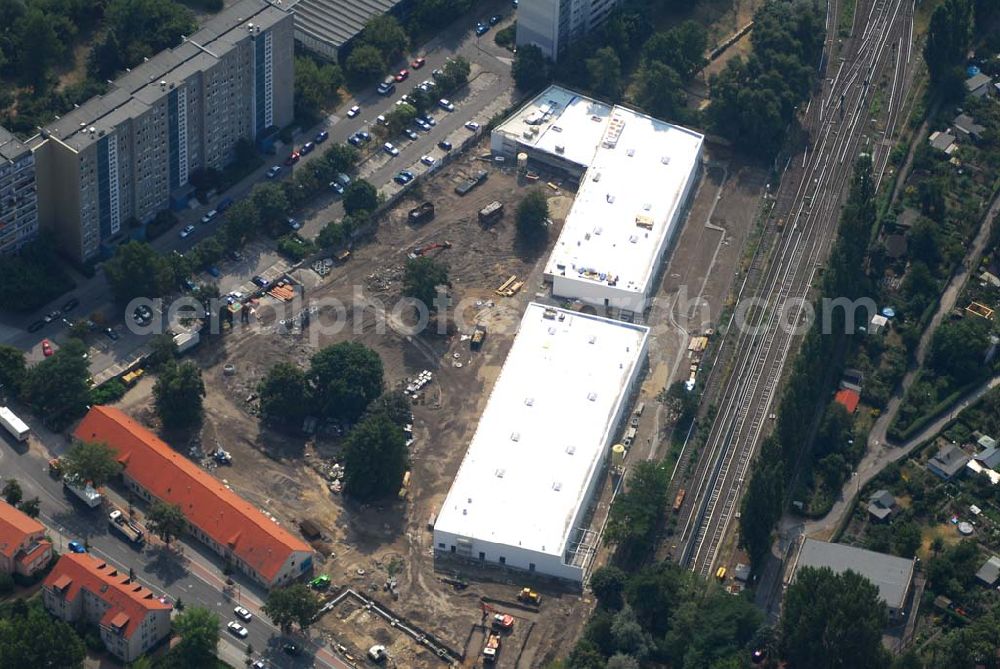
(18, 194)
(893, 576)
(123, 156)
(990, 571)
(326, 26)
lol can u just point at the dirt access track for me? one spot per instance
(289, 476)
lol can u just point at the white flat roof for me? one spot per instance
(543, 434)
(638, 169)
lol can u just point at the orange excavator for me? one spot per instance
(424, 250)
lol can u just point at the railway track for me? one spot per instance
(779, 280)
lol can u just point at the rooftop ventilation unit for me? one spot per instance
(529, 401)
(592, 396)
(557, 486)
(560, 149)
(515, 436)
(570, 450)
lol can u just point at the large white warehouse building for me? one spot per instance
(522, 494)
(636, 175)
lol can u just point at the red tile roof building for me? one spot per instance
(223, 520)
(848, 398)
(131, 618)
(23, 546)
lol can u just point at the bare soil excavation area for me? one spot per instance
(289, 476)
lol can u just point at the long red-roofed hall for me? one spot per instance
(220, 518)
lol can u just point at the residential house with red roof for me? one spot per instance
(224, 521)
(131, 618)
(23, 547)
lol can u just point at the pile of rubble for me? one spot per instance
(384, 278)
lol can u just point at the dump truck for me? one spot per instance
(478, 337)
(422, 214)
(186, 341)
(491, 213)
(84, 491)
(55, 468)
(17, 427)
(529, 596)
(473, 181)
(492, 648)
(127, 528)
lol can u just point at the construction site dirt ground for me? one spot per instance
(363, 546)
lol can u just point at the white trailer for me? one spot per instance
(17, 427)
(84, 491)
(185, 341)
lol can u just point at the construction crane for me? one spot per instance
(424, 250)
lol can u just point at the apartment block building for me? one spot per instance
(131, 618)
(18, 196)
(112, 164)
(551, 25)
(24, 549)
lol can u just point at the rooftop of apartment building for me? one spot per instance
(129, 601)
(15, 528)
(207, 503)
(138, 89)
(11, 147)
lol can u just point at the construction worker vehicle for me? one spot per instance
(422, 214)
(492, 648)
(502, 622)
(127, 528)
(491, 213)
(529, 596)
(424, 250)
(478, 337)
(470, 183)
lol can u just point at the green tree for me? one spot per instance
(608, 585)
(906, 539)
(659, 89)
(365, 64)
(295, 604)
(242, 223)
(958, 349)
(57, 388)
(162, 350)
(833, 620)
(532, 215)
(146, 27)
(271, 203)
(12, 493)
(12, 369)
(681, 48)
(316, 84)
(92, 461)
(136, 270)
(385, 33)
(605, 71)
(341, 158)
(166, 521)
(455, 74)
(344, 379)
(284, 395)
(375, 459)
(31, 507)
(948, 38)
(399, 119)
(198, 629)
(637, 512)
(531, 69)
(36, 639)
(421, 279)
(40, 47)
(178, 395)
(360, 196)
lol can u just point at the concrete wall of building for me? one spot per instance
(59, 197)
(18, 201)
(538, 24)
(283, 64)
